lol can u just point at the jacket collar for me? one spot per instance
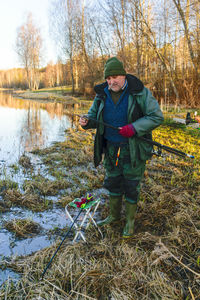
(135, 85)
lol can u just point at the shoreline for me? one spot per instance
(44, 96)
(51, 95)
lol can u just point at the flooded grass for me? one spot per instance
(162, 260)
(28, 200)
(25, 161)
(22, 228)
(44, 186)
(6, 184)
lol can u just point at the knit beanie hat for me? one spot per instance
(113, 67)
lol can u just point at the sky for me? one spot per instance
(13, 14)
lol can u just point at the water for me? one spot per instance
(24, 126)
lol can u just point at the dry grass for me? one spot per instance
(45, 186)
(25, 161)
(162, 261)
(22, 227)
(28, 200)
(46, 96)
(107, 268)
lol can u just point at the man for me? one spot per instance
(123, 102)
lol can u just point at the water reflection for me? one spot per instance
(25, 125)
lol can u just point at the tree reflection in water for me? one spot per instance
(29, 124)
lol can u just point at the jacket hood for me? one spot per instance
(135, 85)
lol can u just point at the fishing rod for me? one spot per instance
(166, 148)
(160, 146)
(66, 235)
(98, 122)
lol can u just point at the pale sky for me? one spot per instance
(13, 14)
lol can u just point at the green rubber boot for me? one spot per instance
(130, 219)
(115, 205)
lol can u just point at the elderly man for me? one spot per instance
(123, 102)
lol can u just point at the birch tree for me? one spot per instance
(65, 18)
(29, 50)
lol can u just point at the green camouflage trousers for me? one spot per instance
(122, 179)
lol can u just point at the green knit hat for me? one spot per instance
(113, 67)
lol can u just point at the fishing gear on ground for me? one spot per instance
(81, 204)
(83, 201)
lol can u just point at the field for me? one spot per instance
(162, 261)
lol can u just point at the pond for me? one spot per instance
(26, 125)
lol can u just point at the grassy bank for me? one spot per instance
(56, 94)
(162, 261)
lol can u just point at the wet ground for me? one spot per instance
(26, 125)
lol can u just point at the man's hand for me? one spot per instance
(127, 131)
(83, 121)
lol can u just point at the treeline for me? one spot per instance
(50, 76)
(158, 41)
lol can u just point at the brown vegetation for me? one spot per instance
(162, 261)
(22, 227)
(29, 200)
(158, 43)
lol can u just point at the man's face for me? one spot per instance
(115, 83)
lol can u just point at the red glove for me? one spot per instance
(127, 131)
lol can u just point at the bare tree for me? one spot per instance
(159, 40)
(29, 50)
(184, 15)
(65, 18)
(137, 32)
(150, 34)
(115, 15)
